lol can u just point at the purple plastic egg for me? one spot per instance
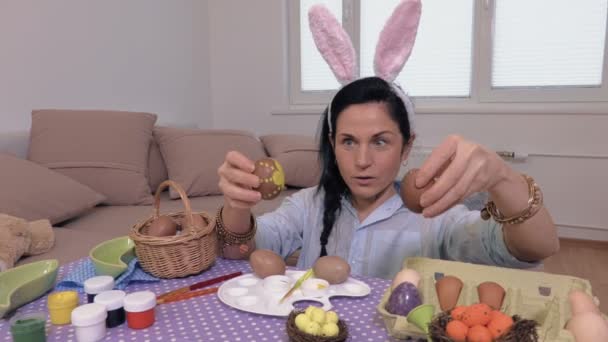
(403, 299)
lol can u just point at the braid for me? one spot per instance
(331, 183)
(334, 189)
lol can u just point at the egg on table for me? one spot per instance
(331, 268)
(265, 263)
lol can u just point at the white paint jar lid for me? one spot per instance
(89, 314)
(140, 301)
(98, 284)
(111, 299)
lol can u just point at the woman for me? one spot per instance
(356, 211)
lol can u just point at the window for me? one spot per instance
(469, 52)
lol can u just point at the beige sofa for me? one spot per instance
(76, 236)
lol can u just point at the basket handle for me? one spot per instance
(182, 195)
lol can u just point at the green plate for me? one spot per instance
(112, 257)
(22, 284)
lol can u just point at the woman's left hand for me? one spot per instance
(460, 168)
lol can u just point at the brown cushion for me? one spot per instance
(299, 156)
(193, 156)
(33, 192)
(105, 150)
(157, 171)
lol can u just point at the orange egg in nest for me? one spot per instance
(500, 324)
(479, 333)
(477, 314)
(457, 312)
(457, 331)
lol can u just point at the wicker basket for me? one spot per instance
(296, 335)
(191, 252)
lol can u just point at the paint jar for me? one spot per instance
(28, 327)
(113, 301)
(89, 321)
(60, 306)
(95, 285)
(139, 307)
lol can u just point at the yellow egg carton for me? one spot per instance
(530, 294)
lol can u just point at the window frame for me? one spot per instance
(482, 98)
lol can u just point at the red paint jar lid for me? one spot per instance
(140, 301)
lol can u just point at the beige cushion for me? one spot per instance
(193, 156)
(157, 171)
(105, 150)
(33, 192)
(299, 156)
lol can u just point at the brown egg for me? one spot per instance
(265, 263)
(272, 178)
(448, 291)
(162, 226)
(491, 293)
(331, 268)
(410, 194)
(197, 221)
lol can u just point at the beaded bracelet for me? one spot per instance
(229, 238)
(535, 202)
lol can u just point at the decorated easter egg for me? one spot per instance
(479, 333)
(265, 263)
(331, 268)
(403, 299)
(272, 178)
(500, 324)
(457, 331)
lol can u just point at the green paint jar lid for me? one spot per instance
(29, 327)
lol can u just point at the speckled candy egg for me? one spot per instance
(272, 178)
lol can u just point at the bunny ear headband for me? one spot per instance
(392, 51)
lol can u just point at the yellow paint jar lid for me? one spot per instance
(62, 299)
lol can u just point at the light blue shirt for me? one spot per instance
(377, 246)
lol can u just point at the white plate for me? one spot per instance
(252, 294)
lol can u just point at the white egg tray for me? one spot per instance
(253, 294)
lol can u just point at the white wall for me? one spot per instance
(140, 55)
(248, 45)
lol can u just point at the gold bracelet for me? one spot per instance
(229, 238)
(535, 202)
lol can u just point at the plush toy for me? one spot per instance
(19, 237)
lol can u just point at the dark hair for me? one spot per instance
(365, 90)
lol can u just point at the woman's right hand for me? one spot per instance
(237, 181)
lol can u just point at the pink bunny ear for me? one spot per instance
(333, 43)
(397, 40)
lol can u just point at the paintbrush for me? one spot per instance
(199, 285)
(297, 285)
(186, 295)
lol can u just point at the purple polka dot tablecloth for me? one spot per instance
(206, 318)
